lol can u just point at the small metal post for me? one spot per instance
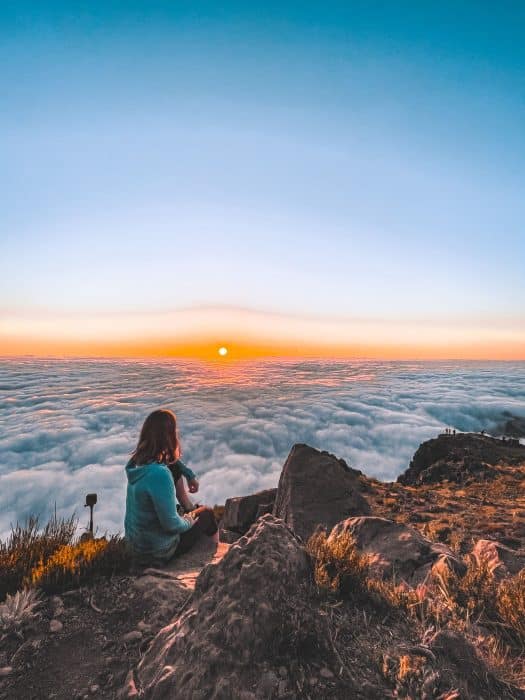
(91, 500)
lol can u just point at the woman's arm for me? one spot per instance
(193, 483)
(162, 494)
(185, 471)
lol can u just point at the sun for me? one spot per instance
(222, 351)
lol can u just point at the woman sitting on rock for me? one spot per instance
(154, 529)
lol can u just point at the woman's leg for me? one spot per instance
(205, 524)
(180, 488)
(206, 521)
(182, 495)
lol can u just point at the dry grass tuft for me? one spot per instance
(26, 546)
(471, 597)
(338, 565)
(447, 600)
(75, 564)
(52, 558)
(510, 605)
(340, 568)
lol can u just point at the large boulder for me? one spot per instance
(397, 550)
(317, 488)
(501, 559)
(247, 612)
(242, 511)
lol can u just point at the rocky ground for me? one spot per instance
(85, 641)
(254, 624)
(459, 489)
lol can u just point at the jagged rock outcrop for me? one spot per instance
(502, 560)
(460, 457)
(246, 612)
(394, 549)
(513, 426)
(316, 488)
(242, 511)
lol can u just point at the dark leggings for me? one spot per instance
(205, 524)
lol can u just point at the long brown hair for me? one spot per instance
(158, 441)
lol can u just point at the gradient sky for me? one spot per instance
(344, 163)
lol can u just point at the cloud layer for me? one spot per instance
(68, 426)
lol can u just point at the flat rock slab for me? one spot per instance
(242, 511)
(165, 588)
(185, 568)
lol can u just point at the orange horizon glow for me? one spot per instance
(239, 352)
(248, 335)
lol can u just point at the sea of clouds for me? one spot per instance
(68, 427)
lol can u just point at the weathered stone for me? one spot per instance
(317, 488)
(241, 512)
(229, 536)
(133, 636)
(394, 549)
(55, 626)
(243, 609)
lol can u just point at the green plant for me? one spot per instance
(19, 610)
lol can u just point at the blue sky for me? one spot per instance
(357, 159)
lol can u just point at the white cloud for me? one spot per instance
(68, 427)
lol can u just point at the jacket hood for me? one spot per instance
(135, 473)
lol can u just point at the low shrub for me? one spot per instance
(76, 564)
(27, 545)
(510, 605)
(340, 568)
(476, 597)
(471, 597)
(53, 559)
(338, 565)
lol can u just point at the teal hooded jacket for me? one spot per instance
(152, 524)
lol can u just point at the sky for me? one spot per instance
(333, 179)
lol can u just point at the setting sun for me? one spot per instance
(222, 351)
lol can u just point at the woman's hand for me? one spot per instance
(193, 486)
(190, 518)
